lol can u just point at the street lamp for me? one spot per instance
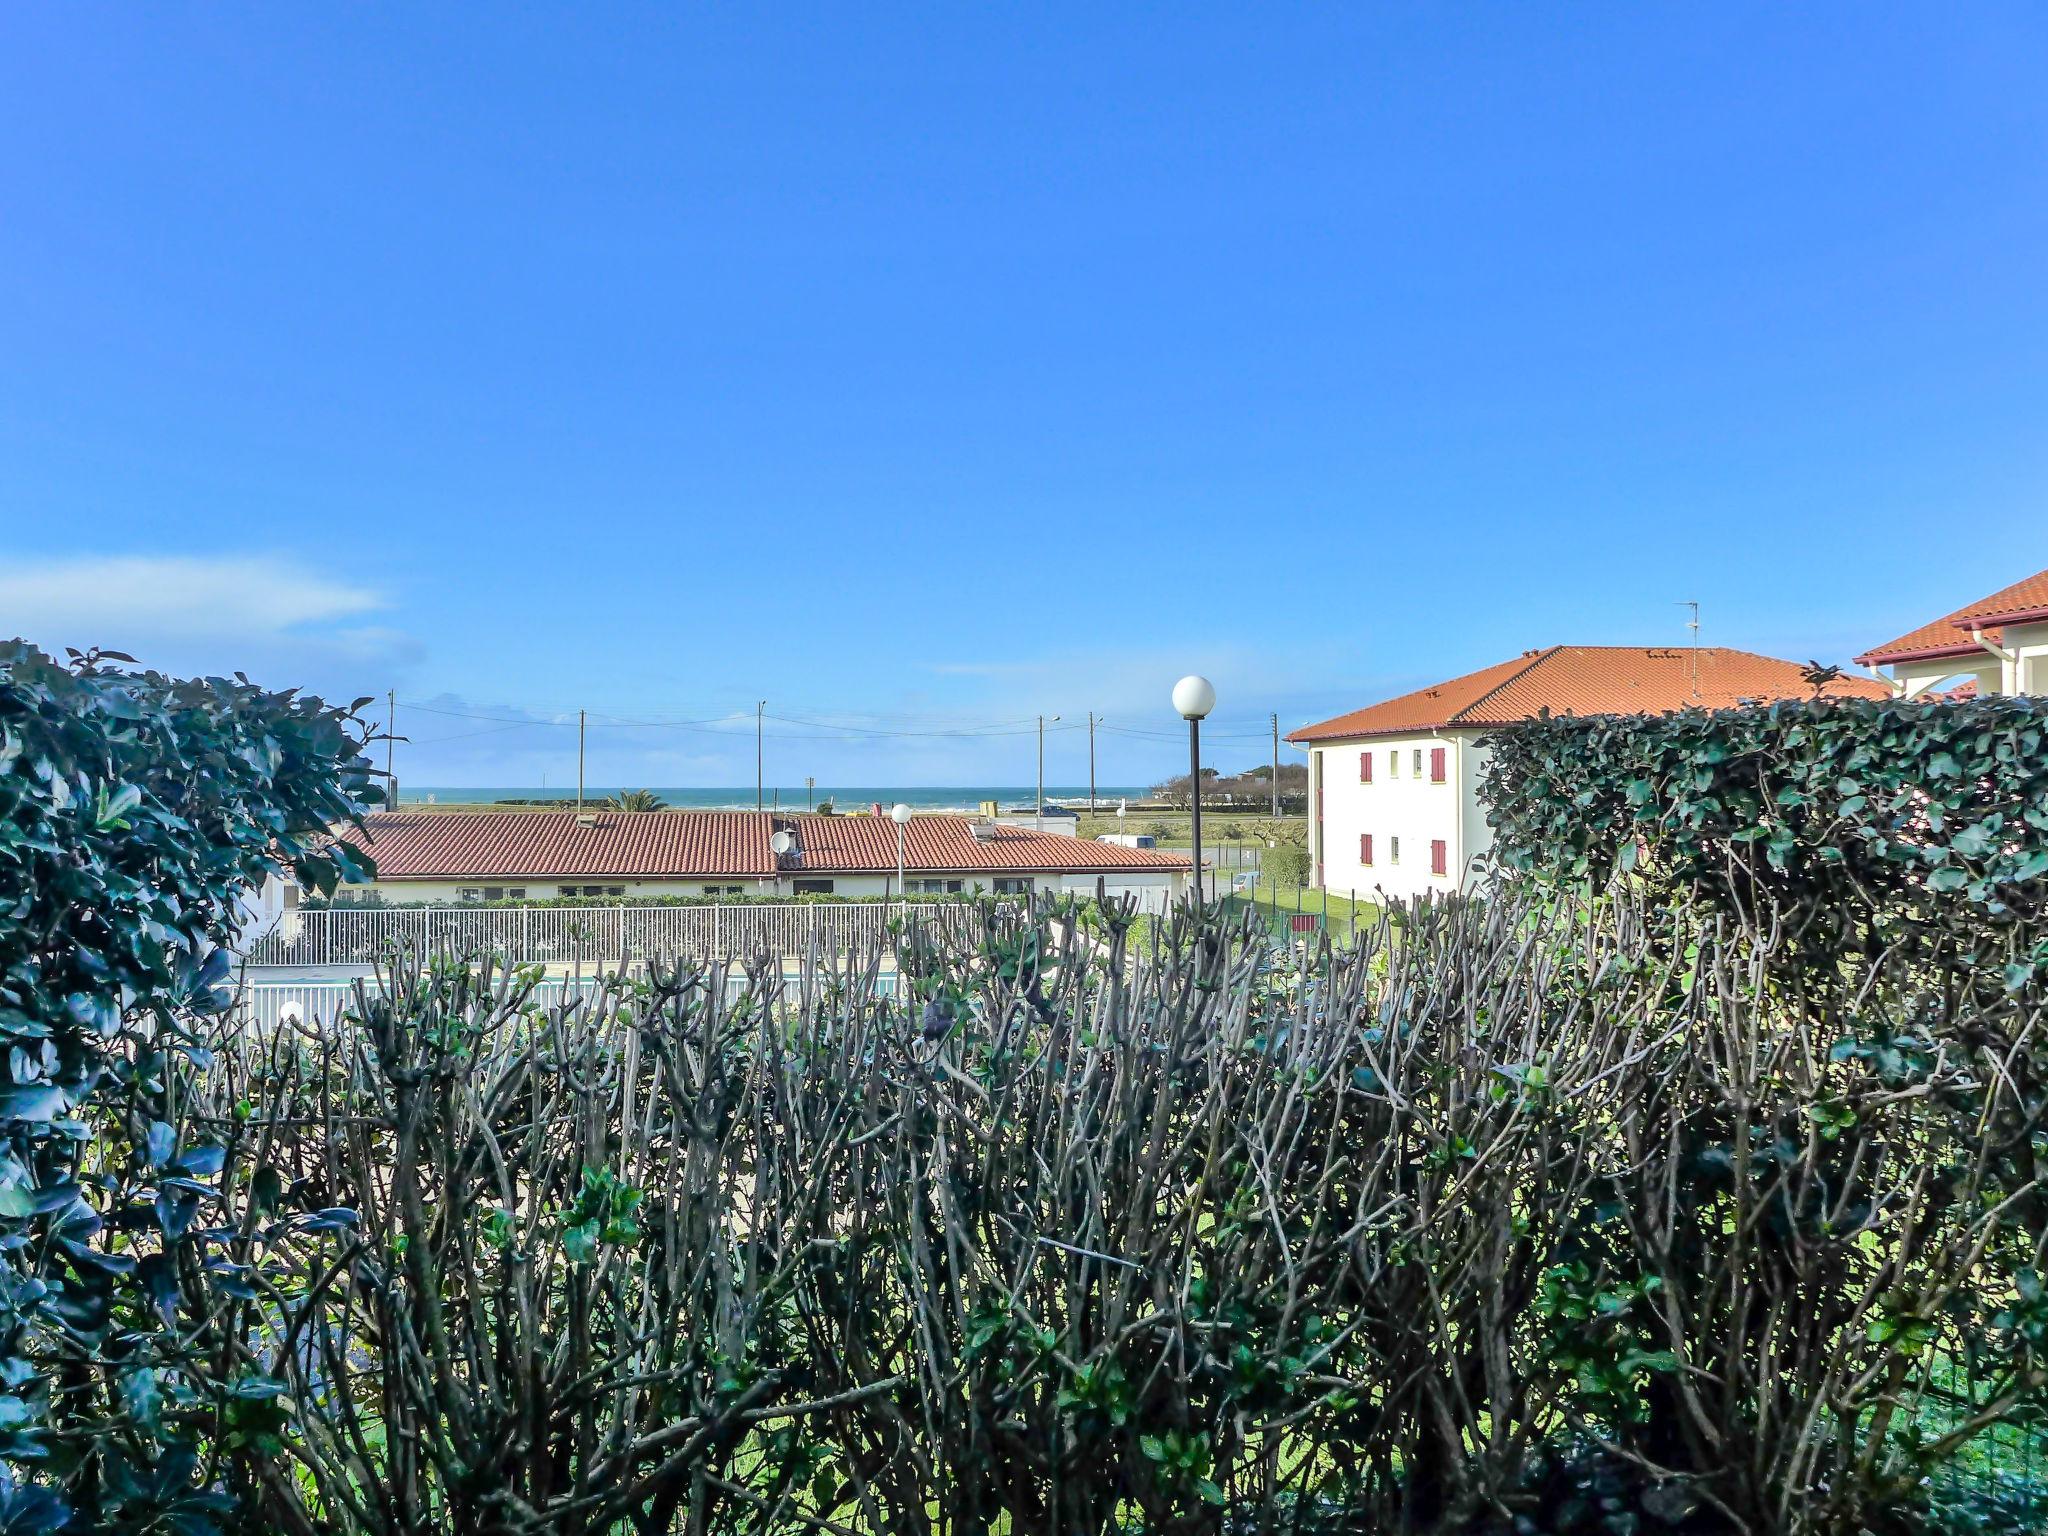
(1193, 698)
(900, 814)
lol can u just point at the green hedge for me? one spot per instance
(136, 810)
(1849, 820)
(1285, 865)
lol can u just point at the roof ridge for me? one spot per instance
(1535, 660)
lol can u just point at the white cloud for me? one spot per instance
(125, 599)
(281, 622)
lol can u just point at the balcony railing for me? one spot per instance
(596, 936)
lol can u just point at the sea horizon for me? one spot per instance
(926, 797)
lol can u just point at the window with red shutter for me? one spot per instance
(1365, 767)
(1439, 857)
(1365, 847)
(1436, 765)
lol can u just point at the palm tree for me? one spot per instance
(637, 800)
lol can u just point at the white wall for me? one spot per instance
(2027, 672)
(448, 893)
(1920, 676)
(260, 910)
(2024, 669)
(1401, 805)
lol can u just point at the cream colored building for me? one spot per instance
(1394, 789)
(1999, 644)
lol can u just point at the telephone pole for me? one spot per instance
(760, 710)
(579, 762)
(1091, 762)
(1038, 809)
(1276, 766)
(390, 739)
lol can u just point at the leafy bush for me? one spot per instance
(1552, 1212)
(1196, 1236)
(136, 811)
(1849, 823)
(1285, 865)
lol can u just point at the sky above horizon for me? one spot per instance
(922, 370)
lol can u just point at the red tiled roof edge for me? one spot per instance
(1587, 680)
(2023, 602)
(1469, 709)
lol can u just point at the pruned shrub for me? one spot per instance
(1195, 1237)
(1552, 1212)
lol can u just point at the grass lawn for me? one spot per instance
(1278, 906)
(1172, 828)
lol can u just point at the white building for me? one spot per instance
(455, 857)
(1998, 643)
(1394, 787)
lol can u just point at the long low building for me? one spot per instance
(457, 857)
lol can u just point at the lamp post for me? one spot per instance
(900, 814)
(1193, 698)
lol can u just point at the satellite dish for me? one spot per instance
(783, 842)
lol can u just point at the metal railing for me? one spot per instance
(596, 936)
(316, 1005)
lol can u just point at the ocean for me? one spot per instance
(954, 797)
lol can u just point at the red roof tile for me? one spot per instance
(1587, 680)
(657, 845)
(852, 844)
(2025, 600)
(413, 845)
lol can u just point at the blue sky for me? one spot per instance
(920, 370)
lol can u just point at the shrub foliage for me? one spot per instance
(1559, 1212)
(136, 811)
(1845, 823)
(1179, 1240)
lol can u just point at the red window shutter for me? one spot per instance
(1365, 847)
(1439, 858)
(1365, 767)
(1436, 765)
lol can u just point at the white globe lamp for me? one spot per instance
(1193, 697)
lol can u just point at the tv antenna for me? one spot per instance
(1693, 624)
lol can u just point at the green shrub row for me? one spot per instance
(1850, 821)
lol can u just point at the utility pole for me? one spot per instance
(1038, 808)
(1091, 762)
(760, 710)
(580, 718)
(390, 739)
(1276, 766)
(810, 784)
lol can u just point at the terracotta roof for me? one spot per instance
(657, 845)
(854, 844)
(535, 844)
(1587, 680)
(2025, 601)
